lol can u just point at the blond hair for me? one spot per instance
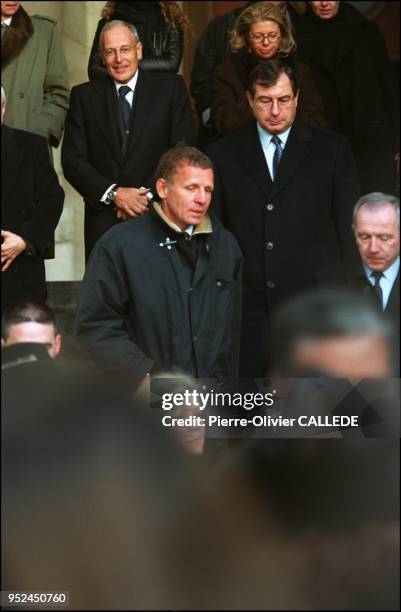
(261, 11)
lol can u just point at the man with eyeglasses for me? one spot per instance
(213, 49)
(118, 128)
(286, 191)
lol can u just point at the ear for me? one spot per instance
(250, 99)
(3, 342)
(139, 50)
(296, 98)
(161, 188)
(58, 344)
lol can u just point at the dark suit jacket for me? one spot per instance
(31, 205)
(294, 232)
(92, 155)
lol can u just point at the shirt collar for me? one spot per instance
(390, 273)
(131, 84)
(7, 21)
(204, 227)
(265, 136)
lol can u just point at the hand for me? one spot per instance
(11, 247)
(131, 201)
(120, 214)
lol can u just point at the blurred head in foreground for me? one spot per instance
(99, 502)
(332, 332)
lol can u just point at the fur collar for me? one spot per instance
(14, 40)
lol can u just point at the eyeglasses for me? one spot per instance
(257, 37)
(266, 104)
(123, 51)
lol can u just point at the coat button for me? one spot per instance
(269, 246)
(195, 338)
(271, 284)
(219, 284)
(270, 207)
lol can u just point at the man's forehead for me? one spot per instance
(29, 328)
(119, 34)
(382, 214)
(187, 169)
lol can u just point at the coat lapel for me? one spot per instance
(252, 158)
(104, 105)
(11, 161)
(296, 150)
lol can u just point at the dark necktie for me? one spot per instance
(124, 106)
(277, 155)
(377, 289)
(3, 29)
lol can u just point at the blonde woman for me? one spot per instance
(262, 32)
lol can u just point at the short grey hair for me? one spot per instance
(3, 97)
(117, 23)
(375, 200)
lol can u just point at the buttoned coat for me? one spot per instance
(92, 154)
(36, 81)
(140, 309)
(295, 233)
(31, 205)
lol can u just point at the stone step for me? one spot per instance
(62, 296)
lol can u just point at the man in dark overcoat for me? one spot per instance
(117, 129)
(162, 292)
(376, 224)
(31, 205)
(286, 191)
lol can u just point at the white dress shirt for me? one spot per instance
(131, 84)
(269, 147)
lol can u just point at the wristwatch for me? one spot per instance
(111, 195)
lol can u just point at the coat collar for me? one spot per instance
(250, 154)
(204, 227)
(16, 36)
(104, 106)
